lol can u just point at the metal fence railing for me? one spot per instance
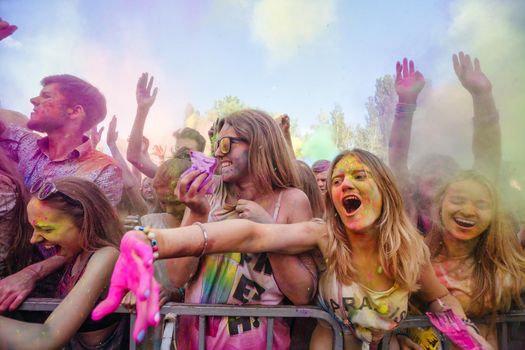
(504, 321)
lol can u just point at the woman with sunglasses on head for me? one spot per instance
(73, 217)
(258, 182)
(375, 256)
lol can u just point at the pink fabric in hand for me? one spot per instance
(455, 329)
(205, 164)
(133, 271)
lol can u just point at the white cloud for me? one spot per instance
(283, 27)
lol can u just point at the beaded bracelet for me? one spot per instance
(151, 237)
(205, 236)
(405, 108)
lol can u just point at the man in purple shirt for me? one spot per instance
(65, 110)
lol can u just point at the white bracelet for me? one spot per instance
(205, 236)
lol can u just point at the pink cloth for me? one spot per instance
(30, 151)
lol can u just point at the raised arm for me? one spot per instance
(145, 99)
(131, 185)
(486, 141)
(67, 318)
(409, 84)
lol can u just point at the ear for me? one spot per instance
(76, 112)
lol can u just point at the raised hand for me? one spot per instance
(409, 82)
(159, 151)
(6, 29)
(145, 97)
(133, 272)
(95, 136)
(112, 135)
(470, 74)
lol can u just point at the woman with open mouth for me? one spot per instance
(74, 218)
(474, 251)
(375, 257)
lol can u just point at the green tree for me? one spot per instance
(228, 105)
(342, 132)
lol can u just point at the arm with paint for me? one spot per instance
(66, 319)
(486, 141)
(135, 154)
(15, 288)
(409, 84)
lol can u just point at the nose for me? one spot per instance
(35, 100)
(468, 209)
(35, 238)
(348, 183)
(218, 154)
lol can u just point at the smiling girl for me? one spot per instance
(475, 253)
(73, 217)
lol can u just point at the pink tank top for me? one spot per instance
(235, 279)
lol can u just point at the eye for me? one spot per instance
(483, 205)
(336, 181)
(360, 175)
(457, 200)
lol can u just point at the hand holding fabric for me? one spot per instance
(134, 272)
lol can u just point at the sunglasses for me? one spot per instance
(224, 144)
(43, 189)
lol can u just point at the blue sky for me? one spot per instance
(301, 57)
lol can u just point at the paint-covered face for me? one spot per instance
(234, 165)
(147, 191)
(321, 180)
(466, 210)
(53, 228)
(355, 194)
(50, 109)
(169, 203)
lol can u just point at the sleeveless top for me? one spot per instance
(115, 339)
(365, 313)
(234, 279)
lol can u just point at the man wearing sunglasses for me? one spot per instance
(66, 108)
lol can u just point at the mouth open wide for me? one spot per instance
(351, 204)
(464, 222)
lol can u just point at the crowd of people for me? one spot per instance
(368, 242)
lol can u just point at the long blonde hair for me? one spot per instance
(270, 164)
(499, 268)
(402, 251)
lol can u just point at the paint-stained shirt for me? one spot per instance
(31, 152)
(363, 313)
(235, 279)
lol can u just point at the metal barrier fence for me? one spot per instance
(203, 311)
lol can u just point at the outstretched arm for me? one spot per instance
(486, 141)
(67, 318)
(135, 154)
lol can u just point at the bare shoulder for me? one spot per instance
(294, 196)
(103, 258)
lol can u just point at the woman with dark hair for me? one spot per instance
(73, 217)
